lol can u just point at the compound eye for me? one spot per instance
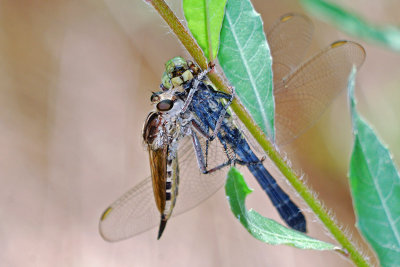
(175, 67)
(166, 82)
(165, 105)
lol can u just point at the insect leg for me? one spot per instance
(193, 90)
(200, 157)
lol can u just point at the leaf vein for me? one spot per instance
(384, 205)
(251, 79)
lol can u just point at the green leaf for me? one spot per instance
(353, 24)
(262, 228)
(204, 19)
(245, 57)
(375, 187)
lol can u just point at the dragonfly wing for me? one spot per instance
(136, 212)
(304, 94)
(288, 38)
(133, 213)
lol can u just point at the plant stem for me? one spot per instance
(317, 207)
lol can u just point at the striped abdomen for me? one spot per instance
(163, 165)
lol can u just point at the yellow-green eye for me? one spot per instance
(177, 72)
(166, 81)
(174, 65)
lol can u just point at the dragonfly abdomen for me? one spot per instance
(289, 211)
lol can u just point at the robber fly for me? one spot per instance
(191, 117)
(166, 126)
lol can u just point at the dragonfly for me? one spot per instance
(192, 126)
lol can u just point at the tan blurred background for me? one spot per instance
(75, 80)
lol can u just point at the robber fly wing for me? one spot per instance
(303, 94)
(288, 38)
(136, 212)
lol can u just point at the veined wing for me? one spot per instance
(303, 91)
(136, 212)
(288, 38)
(303, 94)
(133, 213)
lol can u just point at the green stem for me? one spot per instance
(317, 207)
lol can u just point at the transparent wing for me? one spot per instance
(302, 95)
(136, 211)
(196, 187)
(133, 213)
(288, 38)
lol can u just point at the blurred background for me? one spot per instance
(75, 82)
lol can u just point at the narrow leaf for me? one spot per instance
(245, 57)
(262, 228)
(353, 24)
(375, 187)
(204, 19)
